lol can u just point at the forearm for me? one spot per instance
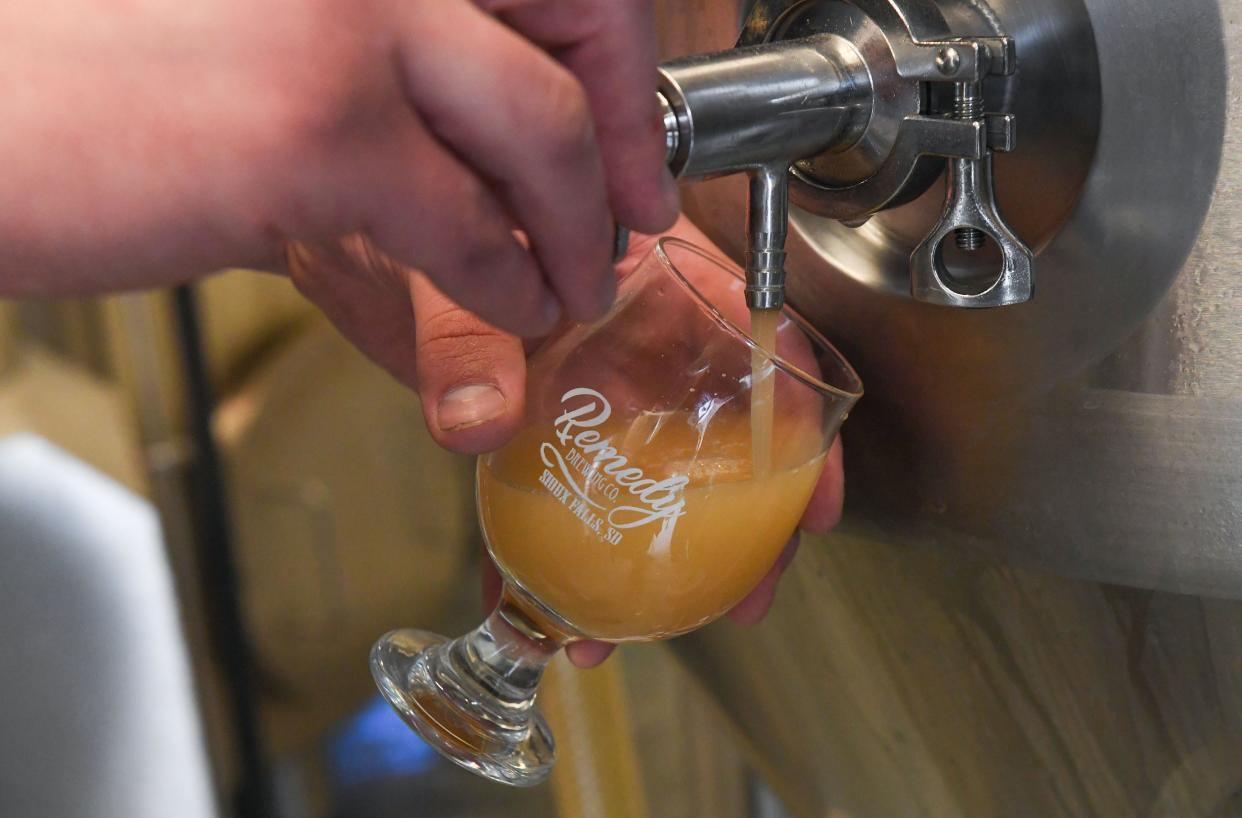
(146, 142)
(136, 149)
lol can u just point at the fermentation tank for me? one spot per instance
(1029, 607)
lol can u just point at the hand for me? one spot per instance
(149, 143)
(471, 376)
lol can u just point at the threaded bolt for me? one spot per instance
(969, 239)
(968, 105)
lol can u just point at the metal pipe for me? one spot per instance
(758, 110)
(738, 110)
(765, 237)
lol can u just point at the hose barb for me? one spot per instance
(768, 226)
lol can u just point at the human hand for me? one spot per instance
(148, 144)
(471, 377)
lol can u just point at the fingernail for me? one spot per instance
(468, 406)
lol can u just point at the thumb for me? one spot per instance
(471, 376)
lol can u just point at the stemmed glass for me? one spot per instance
(664, 460)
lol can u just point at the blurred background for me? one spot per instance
(210, 506)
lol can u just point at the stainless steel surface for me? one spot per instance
(912, 665)
(971, 214)
(911, 51)
(756, 110)
(1095, 430)
(1038, 185)
(1058, 139)
(968, 105)
(672, 131)
(849, 98)
(745, 108)
(907, 45)
(766, 231)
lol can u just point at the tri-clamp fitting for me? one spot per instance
(851, 107)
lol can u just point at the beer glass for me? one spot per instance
(664, 460)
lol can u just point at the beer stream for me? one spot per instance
(762, 388)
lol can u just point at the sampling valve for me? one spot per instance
(853, 106)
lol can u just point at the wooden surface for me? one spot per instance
(898, 683)
(690, 755)
(597, 758)
(638, 737)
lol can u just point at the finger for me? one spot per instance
(440, 218)
(365, 296)
(470, 374)
(823, 512)
(588, 654)
(522, 119)
(752, 609)
(640, 246)
(610, 45)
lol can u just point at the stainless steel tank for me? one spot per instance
(1094, 431)
(964, 647)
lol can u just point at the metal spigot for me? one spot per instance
(757, 110)
(766, 231)
(796, 93)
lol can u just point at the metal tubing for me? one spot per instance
(746, 108)
(765, 241)
(759, 110)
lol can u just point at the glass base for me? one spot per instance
(415, 673)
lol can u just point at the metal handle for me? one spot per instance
(971, 206)
(971, 216)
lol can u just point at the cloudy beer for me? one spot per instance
(642, 527)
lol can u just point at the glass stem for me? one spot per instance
(493, 672)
